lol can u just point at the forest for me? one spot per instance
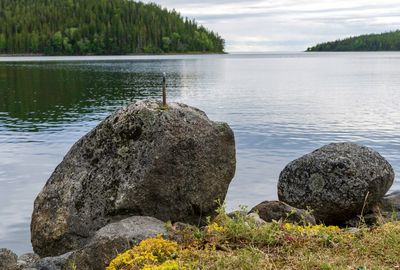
(98, 27)
(389, 41)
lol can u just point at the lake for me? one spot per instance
(280, 106)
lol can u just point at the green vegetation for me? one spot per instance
(374, 42)
(241, 242)
(78, 27)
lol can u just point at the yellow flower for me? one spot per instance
(150, 252)
(167, 265)
(331, 233)
(215, 227)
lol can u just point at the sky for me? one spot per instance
(288, 25)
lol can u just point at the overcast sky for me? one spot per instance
(288, 25)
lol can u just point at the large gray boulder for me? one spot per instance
(336, 181)
(172, 164)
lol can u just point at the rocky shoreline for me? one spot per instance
(147, 164)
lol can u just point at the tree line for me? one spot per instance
(79, 27)
(389, 41)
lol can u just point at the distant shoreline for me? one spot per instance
(89, 55)
(76, 58)
(348, 51)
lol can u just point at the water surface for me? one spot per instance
(280, 107)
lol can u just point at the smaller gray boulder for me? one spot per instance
(113, 239)
(8, 259)
(275, 210)
(338, 181)
(106, 244)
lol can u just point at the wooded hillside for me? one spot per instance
(373, 42)
(73, 27)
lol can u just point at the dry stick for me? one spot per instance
(164, 90)
(363, 208)
(365, 203)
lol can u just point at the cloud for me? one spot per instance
(288, 25)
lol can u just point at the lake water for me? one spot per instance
(280, 107)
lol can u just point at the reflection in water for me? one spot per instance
(42, 93)
(280, 107)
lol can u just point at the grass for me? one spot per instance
(240, 242)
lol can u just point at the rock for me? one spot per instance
(353, 230)
(368, 219)
(111, 240)
(256, 218)
(106, 244)
(275, 210)
(27, 260)
(391, 202)
(8, 259)
(388, 209)
(336, 181)
(170, 164)
(55, 263)
(237, 214)
(131, 230)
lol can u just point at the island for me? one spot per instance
(389, 41)
(99, 27)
